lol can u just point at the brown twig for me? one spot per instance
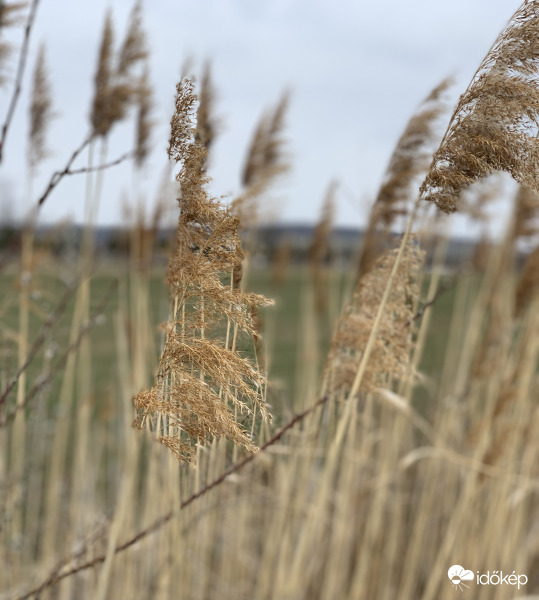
(55, 179)
(60, 364)
(112, 163)
(56, 575)
(58, 175)
(20, 73)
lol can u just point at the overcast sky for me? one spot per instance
(357, 70)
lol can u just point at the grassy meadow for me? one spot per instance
(211, 428)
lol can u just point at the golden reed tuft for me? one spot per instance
(394, 342)
(11, 14)
(494, 126)
(115, 86)
(266, 161)
(207, 124)
(40, 110)
(409, 160)
(202, 378)
(144, 104)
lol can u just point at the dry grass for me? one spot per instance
(361, 494)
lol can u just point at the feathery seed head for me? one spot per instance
(144, 122)
(202, 377)
(206, 122)
(115, 84)
(494, 126)
(265, 162)
(409, 161)
(390, 357)
(40, 109)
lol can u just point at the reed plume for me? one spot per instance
(40, 110)
(409, 161)
(390, 356)
(494, 125)
(201, 376)
(10, 15)
(207, 124)
(266, 162)
(144, 122)
(115, 85)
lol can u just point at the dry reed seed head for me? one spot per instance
(494, 126)
(201, 376)
(144, 122)
(40, 109)
(409, 161)
(273, 154)
(100, 115)
(133, 50)
(5, 51)
(182, 124)
(266, 161)
(390, 356)
(411, 156)
(11, 14)
(115, 84)
(206, 128)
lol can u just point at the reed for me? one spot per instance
(202, 378)
(365, 492)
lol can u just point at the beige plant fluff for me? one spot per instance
(407, 166)
(202, 380)
(390, 357)
(494, 126)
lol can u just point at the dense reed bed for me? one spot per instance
(375, 476)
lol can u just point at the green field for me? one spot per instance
(296, 337)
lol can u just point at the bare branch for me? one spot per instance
(58, 175)
(112, 163)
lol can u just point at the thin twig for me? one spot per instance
(56, 575)
(40, 340)
(20, 73)
(58, 175)
(112, 163)
(55, 179)
(60, 364)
